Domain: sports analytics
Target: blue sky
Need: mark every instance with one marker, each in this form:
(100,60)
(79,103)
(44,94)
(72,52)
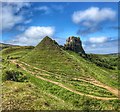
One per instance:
(94,22)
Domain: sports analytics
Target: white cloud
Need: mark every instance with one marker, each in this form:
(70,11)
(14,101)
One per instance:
(92,16)
(46,9)
(50,9)
(93,45)
(98,39)
(110,46)
(33,35)
(28,21)
(9,17)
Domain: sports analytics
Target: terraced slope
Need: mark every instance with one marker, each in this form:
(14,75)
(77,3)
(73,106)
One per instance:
(70,89)
(107,76)
(48,56)
(47,92)
(63,79)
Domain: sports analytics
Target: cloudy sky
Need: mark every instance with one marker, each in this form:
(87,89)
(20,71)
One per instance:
(95,23)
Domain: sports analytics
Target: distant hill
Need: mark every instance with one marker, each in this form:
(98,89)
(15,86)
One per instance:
(109,61)
(15,52)
(3,45)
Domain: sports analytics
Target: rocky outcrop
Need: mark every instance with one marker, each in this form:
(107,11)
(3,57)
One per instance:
(74,44)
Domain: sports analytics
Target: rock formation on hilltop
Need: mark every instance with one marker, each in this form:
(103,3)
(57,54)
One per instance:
(74,44)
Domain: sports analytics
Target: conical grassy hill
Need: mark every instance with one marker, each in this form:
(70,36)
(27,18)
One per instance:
(47,55)
(47,44)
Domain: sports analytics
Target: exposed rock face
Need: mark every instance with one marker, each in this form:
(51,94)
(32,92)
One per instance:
(74,44)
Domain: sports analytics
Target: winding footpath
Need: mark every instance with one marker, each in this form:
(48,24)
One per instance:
(67,88)
(97,83)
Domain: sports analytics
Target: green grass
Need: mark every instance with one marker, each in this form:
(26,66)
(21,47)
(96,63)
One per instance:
(15,51)
(88,88)
(47,96)
(53,59)
(81,86)
(106,61)
(58,61)
(27,96)
(20,95)
(109,77)
(79,102)
(62,66)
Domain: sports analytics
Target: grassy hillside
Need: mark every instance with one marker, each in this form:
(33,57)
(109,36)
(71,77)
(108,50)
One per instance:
(15,51)
(27,96)
(100,73)
(47,96)
(56,79)
(53,59)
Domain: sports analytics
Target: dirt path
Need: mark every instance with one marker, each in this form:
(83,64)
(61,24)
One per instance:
(36,68)
(89,80)
(97,83)
(114,91)
(63,86)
